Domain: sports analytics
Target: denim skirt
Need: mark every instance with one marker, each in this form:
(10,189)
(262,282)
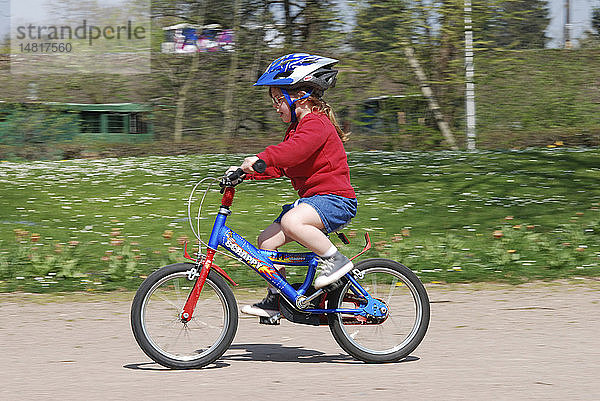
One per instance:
(335,211)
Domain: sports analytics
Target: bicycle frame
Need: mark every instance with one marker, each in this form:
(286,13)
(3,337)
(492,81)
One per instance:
(262,261)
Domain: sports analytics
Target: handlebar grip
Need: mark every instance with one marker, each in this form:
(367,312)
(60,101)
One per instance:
(236,175)
(259,166)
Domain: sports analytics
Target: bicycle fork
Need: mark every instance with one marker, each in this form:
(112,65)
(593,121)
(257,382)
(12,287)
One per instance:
(190,304)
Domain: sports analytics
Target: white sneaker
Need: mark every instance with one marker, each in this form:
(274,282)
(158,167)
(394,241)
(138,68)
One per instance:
(332,269)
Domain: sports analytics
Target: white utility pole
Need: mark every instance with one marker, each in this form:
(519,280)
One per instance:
(470,73)
(568,26)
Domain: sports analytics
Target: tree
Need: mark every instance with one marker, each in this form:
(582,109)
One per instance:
(183,73)
(307,24)
(596,21)
(215,85)
(435,29)
(403,32)
(515,24)
(319,27)
(378,24)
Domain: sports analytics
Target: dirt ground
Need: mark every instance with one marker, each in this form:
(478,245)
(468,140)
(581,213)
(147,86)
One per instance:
(485,342)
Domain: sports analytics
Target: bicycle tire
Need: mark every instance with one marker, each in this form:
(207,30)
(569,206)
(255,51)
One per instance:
(159,331)
(393,340)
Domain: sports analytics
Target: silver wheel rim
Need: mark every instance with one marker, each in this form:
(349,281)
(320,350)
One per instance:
(184,335)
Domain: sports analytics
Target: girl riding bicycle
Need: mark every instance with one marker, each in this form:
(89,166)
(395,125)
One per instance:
(312,155)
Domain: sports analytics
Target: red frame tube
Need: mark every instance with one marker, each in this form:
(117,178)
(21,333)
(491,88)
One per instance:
(190,305)
(217,268)
(228,195)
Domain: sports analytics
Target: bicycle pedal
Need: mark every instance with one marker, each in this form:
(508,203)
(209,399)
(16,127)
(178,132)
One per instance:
(269,321)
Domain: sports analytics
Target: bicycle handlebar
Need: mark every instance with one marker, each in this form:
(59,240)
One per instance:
(236,177)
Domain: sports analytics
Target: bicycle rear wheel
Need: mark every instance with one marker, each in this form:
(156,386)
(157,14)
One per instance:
(156,318)
(388,339)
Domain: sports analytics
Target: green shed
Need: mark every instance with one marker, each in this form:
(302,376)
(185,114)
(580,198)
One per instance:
(41,122)
(112,122)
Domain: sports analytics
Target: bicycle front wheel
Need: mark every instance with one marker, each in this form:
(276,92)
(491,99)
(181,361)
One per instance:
(388,339)
(158,328)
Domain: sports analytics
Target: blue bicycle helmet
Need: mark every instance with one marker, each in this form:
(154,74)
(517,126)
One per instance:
(300,70)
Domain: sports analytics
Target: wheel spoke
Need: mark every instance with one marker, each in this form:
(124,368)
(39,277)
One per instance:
(168,301)
(391,292)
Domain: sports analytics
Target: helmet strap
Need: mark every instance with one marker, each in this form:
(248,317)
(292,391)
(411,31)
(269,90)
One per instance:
(292,103)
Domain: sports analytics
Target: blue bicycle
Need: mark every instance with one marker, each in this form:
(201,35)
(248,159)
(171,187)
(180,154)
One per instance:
(185,315)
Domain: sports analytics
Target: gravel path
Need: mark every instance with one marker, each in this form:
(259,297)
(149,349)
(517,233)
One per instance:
(529,342)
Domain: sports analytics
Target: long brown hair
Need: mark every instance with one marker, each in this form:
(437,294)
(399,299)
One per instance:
(321,106)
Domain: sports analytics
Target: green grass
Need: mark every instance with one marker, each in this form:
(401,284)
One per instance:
(450,216)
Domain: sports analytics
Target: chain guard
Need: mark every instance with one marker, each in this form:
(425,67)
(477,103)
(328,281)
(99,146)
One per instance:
(296,316)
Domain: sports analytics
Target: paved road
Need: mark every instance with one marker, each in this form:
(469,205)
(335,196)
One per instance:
(531,342)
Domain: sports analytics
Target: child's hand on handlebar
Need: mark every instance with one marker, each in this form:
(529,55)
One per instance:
(248,164)
(235,175)
(231,170)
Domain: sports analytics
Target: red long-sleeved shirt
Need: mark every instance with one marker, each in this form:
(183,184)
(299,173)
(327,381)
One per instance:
(312,156)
